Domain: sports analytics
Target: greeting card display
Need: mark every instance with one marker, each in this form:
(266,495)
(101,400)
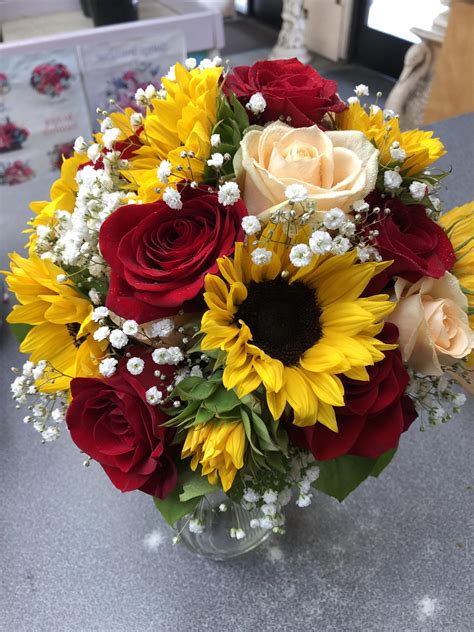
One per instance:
(116,70)
(42,111)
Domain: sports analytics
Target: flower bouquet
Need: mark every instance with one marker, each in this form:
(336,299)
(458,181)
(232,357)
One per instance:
(50,79)
(242,296)
(16,172)
(12,137)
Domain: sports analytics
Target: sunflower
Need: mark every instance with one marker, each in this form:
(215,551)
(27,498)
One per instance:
(219,448)
(420,147)
(62,328)
(121,121)
(294,330)
(459,226)
(183,121)
(62,194)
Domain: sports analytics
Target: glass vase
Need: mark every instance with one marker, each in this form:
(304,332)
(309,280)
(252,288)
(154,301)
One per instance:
(221,529)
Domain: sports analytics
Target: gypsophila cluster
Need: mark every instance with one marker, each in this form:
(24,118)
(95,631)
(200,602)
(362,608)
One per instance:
(264,498)
(73,239)
(228,193)
(257,103)
(437,399)
(271,496)
(46,411)
(336,233)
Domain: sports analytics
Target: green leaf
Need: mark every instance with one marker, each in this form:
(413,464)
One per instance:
(339,477)
(195,486)
(195,388)
(203,415)
(259,460)
(275,461)
(172,509)
(279,436)
(222,400)
(196,348)
(264,439)
(220,360)
(20,331)
(182,416)
(188,492)
(240,114)
(233,414)
(382,462)
(248,430)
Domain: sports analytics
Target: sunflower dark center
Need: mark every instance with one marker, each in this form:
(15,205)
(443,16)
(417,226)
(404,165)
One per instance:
(73,330)
(284,319)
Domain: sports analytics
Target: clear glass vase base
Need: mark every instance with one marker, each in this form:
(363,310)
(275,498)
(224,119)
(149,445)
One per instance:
(215,540)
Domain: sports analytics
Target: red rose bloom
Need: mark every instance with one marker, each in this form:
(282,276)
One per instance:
(111,421)
(375,415)
(417,244)
(290,89)
(159,256)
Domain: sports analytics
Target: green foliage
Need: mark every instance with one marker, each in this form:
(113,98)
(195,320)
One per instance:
(195,388)
(19,331)
(339,477)
(404,194)
(267,439)
(207,400)
(382,462)
(232,122)
(172,509)
(188,492)
(195,485)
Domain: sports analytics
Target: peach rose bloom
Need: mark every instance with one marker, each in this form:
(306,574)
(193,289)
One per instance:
(337,168)
(431,316)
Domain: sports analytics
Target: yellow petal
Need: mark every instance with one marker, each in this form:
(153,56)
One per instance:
(323,357)
(270,371)
(346,317)
(327,416)
(328,388)
(276,403)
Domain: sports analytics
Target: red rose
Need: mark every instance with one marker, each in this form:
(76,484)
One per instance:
(417,244)
(293,92)
(111,421)
(375,415)
(160,256)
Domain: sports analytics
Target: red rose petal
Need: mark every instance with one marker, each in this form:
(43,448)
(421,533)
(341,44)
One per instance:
(111,421)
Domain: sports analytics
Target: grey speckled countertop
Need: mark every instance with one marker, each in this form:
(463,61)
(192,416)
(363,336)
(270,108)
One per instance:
(396,556)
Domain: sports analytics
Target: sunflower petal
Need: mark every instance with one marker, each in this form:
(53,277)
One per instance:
(329,389)
(327,416)
(276,403)
(270,371)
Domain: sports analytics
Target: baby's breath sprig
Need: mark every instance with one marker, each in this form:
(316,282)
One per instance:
(437,399)
(46,411)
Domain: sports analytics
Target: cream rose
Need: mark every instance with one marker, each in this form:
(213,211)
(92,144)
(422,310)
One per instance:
(337,168)
(431,316)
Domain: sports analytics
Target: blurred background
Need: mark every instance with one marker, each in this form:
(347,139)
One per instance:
(61,59)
